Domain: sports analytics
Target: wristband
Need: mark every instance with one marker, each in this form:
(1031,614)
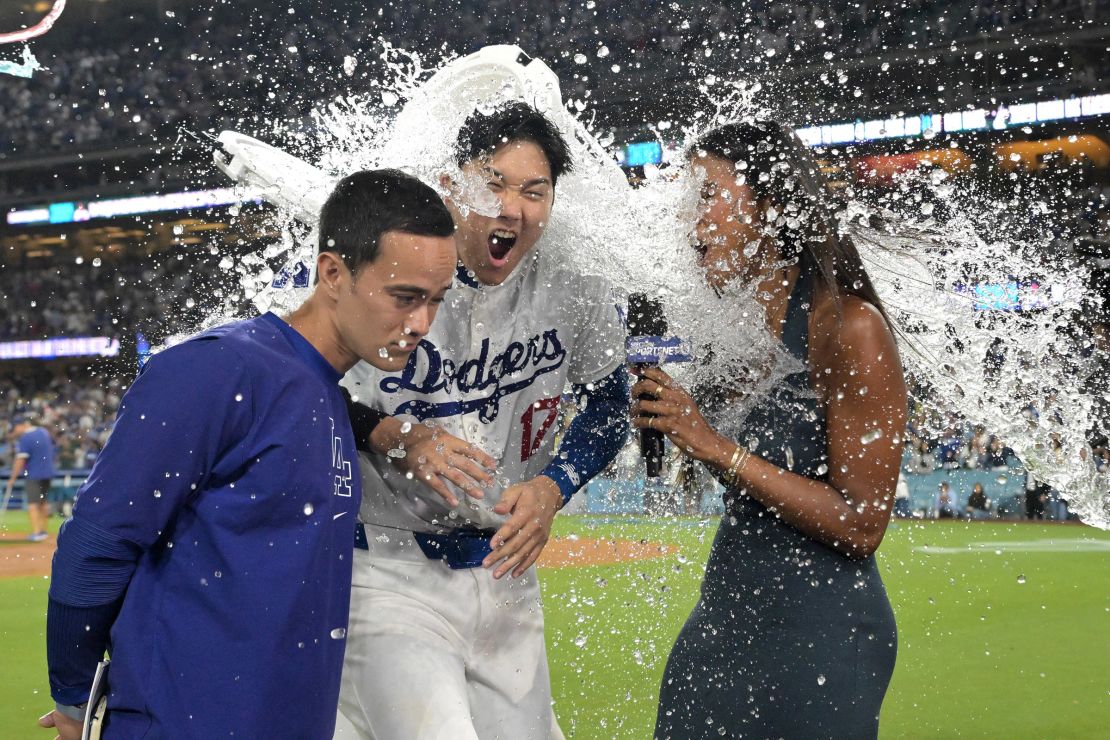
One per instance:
(74,712)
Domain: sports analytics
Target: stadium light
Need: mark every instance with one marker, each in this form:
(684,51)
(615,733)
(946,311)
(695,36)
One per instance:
(967,120)
(54,347)
(65,212)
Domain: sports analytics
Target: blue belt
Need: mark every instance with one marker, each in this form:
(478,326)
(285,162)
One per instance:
(461,549)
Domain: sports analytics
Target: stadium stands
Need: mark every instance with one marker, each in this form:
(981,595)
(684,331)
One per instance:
(138,83)
(202,67)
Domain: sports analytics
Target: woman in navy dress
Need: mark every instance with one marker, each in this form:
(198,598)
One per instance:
(793,635)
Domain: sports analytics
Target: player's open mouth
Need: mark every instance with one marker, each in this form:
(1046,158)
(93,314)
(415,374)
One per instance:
(500,243)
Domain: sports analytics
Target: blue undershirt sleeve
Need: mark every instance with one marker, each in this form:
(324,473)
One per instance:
(596,435)
(363,420)
(188,409)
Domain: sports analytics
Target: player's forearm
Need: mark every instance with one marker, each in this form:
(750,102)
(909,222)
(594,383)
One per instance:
(364,420)
(596,435)
(76,639)
(386,436)
(17,469)
(90,574)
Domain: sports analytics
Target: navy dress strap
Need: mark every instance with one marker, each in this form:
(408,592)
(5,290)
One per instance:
(795,328)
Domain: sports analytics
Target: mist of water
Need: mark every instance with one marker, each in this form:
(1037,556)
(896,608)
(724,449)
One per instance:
(1019,374)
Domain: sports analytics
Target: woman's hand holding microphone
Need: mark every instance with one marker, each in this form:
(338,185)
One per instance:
(662,404)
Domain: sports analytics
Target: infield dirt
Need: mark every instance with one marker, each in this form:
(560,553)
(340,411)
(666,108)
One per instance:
(19,558)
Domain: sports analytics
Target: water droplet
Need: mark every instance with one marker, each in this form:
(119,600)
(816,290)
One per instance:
(219,574)
(821,680)
(822,469)
(157,493)
(383,353)
(579,58)
(238,396)
(338,633)
(615,68)
(389,98)
(406,427)
(871,436)
(308,509)
(580,641)
(1021,579)
(603,52)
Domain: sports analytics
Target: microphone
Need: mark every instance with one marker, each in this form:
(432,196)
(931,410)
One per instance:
(648,345)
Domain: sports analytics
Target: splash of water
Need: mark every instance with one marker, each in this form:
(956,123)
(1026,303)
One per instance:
(1014,373)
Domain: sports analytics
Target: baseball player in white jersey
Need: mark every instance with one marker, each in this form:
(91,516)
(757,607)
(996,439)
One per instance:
(462,483)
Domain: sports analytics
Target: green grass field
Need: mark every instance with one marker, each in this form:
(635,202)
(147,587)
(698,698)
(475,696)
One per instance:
(1004,631)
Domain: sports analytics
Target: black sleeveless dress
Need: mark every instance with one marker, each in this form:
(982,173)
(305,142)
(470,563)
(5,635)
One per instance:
(790,639)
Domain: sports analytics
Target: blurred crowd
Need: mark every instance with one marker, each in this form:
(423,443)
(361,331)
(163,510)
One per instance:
(971,470)
(76,407)
(155,296)
(68,297)
(203,67)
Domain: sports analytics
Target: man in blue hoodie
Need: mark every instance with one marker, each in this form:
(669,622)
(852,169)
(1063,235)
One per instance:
(210,549)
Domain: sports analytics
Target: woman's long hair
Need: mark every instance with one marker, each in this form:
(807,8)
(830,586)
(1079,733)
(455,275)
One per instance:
(782,173)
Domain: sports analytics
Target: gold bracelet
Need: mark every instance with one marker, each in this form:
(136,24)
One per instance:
(737,466)
(735,455)
(723,475)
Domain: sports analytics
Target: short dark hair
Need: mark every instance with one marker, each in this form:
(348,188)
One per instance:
(483,133)
(367,204)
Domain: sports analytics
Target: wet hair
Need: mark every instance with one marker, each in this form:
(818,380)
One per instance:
(483,133)
(367,204)
(781,171)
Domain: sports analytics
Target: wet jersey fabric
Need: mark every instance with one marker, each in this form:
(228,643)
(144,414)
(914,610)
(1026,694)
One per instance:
(224,503)
(790,638)
(491,371)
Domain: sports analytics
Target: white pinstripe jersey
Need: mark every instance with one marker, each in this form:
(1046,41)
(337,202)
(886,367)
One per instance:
(491,371)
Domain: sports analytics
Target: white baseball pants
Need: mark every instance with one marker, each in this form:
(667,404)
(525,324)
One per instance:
(441,654)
